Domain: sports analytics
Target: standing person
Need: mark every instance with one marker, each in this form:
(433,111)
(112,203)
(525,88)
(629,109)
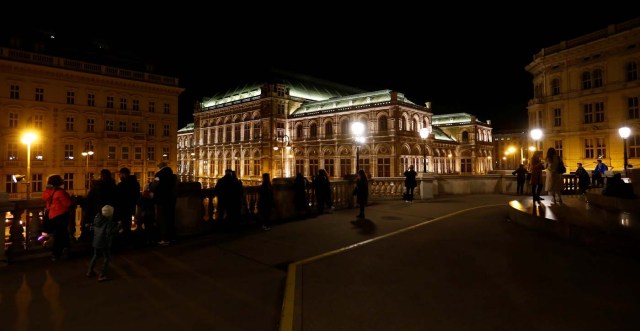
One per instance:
(127,193)
(102,192)
(410,183)
(598,174)
(555,183)
(224,190)
(164,196)
(146,216)
(300,194)
(362,192)
(265,202)
(105,228)
(322,188)
(536,175)
(521,174)
(59,203)
(583,178)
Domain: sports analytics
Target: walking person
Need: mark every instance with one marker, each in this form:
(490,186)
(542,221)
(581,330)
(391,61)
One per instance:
(104,229)
(265,202)
(410,183)
(521,174)
(361,192)
(58,204)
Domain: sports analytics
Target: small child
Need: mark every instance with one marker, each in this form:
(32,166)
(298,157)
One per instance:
(104,229)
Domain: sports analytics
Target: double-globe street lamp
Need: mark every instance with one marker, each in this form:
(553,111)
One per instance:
(624,134)
(424,134)
(285,144)
(357,130)
(87,155)
(27,139)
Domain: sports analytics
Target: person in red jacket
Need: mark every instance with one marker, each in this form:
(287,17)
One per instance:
(59,203)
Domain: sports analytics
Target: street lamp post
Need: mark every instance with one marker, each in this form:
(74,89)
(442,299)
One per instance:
(284,141)
(87,154)
(536,135)
(28,138)
(624,134)
(424,134)
(512,151)
(357,129)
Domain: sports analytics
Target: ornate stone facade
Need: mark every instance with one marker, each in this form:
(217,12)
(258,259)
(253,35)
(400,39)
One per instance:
(286,126)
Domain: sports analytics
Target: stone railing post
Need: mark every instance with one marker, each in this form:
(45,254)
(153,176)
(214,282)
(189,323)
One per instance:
(428,186)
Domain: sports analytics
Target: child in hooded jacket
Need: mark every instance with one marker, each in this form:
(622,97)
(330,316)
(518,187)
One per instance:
(104,229)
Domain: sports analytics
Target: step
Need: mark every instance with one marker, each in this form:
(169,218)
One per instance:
(579,221)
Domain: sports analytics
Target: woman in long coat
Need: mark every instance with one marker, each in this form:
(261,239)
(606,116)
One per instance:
(536,175)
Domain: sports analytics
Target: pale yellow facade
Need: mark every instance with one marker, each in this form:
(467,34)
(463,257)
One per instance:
(126,118)
(585,89)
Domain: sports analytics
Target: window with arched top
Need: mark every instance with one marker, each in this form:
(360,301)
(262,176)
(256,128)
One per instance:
(555,87)
(344,126)
(597,78)
(313,130)
(402,124)
(299,132)
(632,71)
(328,129)
(465,136)
(414,125)
(586,80)
(382,123)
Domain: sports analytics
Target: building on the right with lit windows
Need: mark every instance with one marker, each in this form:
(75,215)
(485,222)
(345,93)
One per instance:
(585,89)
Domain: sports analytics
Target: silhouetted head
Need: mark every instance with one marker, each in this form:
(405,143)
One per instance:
(55,181)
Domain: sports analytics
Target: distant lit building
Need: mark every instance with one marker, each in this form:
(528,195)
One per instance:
(249,129)
(127,118)
(512,148)
(585,89)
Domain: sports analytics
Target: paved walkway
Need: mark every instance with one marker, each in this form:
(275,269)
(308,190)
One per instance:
(460,265)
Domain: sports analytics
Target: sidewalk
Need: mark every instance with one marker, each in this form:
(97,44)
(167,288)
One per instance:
(450,263)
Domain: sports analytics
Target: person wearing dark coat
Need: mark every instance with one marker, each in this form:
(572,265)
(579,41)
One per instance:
(102,192)
(361,192)
(164,196)
(583,178)
(104,229)
(322,188)
(265,202)
(521,175)
(300,194)
(226,190)
(410,183)
(126,196)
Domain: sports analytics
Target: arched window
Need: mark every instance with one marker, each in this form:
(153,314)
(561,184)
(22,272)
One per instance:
(555,87)
(586,80)
(313,130)
(632,71)
(382,123)
(299,132)
(402,124)
(465,136)
(344,126)
(414,125)
(328,130)
(597,78)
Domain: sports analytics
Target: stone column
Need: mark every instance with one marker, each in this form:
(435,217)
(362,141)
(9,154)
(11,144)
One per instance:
(428,185)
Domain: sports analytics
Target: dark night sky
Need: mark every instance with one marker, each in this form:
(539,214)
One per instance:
(461,61)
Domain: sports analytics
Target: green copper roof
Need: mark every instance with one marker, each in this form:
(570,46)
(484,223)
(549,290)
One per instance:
(361,99)
(187,128)
(440,135)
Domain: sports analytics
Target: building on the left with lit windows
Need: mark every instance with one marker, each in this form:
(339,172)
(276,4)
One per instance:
(126,118)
